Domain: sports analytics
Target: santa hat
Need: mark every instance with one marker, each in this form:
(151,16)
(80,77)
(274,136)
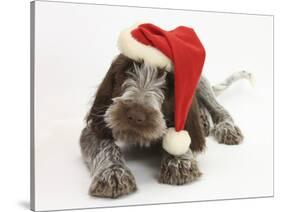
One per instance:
(179,50)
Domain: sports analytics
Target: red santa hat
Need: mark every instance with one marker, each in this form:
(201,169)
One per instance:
(179,50)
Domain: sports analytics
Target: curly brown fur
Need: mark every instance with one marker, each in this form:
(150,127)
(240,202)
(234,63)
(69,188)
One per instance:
(204,119)
(135,105)
(225,130)
(227,133)
(110,176)
(113,182)
(178,170)
(109,88)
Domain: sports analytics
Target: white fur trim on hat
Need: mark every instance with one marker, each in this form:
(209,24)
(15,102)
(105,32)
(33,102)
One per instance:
(176,143)
(135,50)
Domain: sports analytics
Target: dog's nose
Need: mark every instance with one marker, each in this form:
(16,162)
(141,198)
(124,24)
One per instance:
(136,116)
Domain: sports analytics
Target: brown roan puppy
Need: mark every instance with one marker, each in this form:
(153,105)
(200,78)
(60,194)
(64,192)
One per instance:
(134,104)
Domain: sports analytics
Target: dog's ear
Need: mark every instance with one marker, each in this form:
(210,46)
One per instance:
(192,126)
(168,104)
(109,88)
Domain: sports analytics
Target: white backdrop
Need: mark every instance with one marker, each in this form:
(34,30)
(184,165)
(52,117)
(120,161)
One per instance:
(73,49)
(14,89)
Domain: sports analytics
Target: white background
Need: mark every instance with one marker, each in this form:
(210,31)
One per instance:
(14,92)
(73,50)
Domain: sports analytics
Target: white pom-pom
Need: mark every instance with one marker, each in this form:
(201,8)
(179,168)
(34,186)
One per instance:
(176,143)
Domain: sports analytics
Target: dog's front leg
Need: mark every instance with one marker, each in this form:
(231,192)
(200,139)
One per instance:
(225,130)
(110,176)
(178,170)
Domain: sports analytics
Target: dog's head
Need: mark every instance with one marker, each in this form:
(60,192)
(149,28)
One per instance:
(133,102)
(136,115)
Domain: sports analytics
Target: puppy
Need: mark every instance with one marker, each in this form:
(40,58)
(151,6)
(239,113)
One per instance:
(135,105)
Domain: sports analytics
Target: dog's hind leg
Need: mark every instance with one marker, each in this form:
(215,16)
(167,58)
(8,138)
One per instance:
(110,176)
(224,130)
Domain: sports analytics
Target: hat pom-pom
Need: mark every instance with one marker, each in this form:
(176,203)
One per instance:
(176,143)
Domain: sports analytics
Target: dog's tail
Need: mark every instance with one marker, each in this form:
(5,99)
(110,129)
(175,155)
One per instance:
(219,88)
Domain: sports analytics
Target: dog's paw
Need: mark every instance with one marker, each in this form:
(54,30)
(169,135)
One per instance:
(175,171)
(227,133)
(113,182)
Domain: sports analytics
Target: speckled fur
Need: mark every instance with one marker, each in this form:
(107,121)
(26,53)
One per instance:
(178,170)
(224,130)
(204,120)
(110,176)
(154,95)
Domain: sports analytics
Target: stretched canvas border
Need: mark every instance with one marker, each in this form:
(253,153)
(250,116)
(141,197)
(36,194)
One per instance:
(32,98)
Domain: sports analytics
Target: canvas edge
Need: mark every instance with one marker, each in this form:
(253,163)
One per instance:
(32,103)
(157,8)
(32,124)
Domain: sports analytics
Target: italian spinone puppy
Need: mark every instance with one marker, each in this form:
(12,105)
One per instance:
(135,104)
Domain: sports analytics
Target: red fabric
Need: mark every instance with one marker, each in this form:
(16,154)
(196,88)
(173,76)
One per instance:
(187,54)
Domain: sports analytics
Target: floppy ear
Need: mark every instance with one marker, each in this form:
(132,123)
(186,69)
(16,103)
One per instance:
(194,128)
(108,89)
(192,125)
